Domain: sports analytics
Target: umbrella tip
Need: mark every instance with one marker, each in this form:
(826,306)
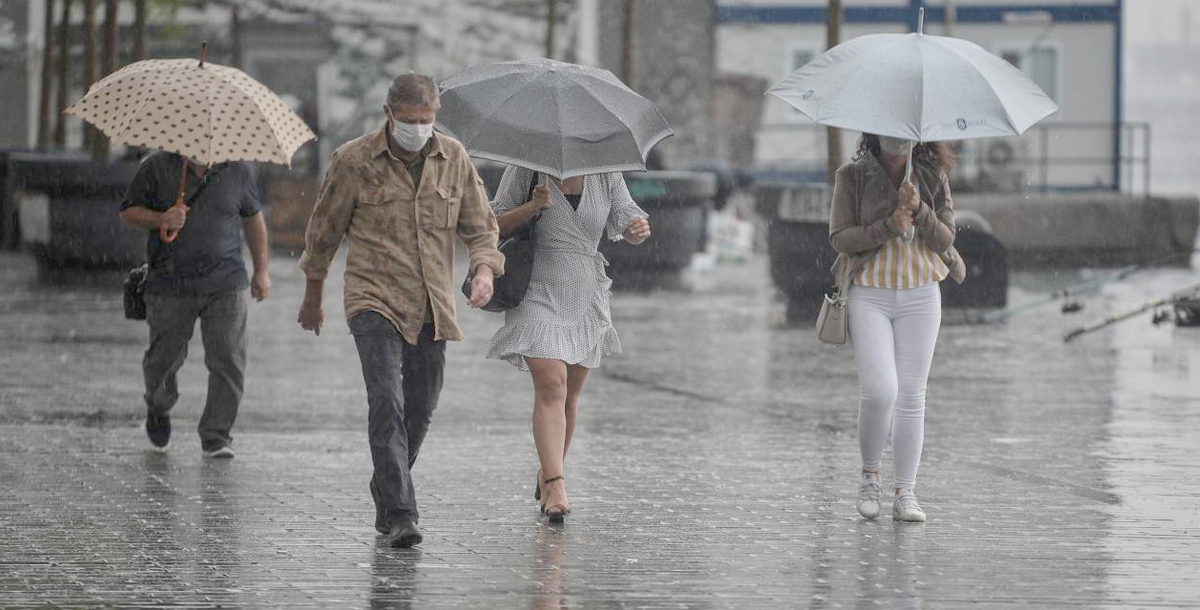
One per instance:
(204,52)
(921,20)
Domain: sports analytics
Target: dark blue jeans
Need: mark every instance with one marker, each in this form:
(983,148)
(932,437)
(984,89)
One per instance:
(403,383)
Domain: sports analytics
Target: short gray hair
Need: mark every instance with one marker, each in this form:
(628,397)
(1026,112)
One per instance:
(413,89)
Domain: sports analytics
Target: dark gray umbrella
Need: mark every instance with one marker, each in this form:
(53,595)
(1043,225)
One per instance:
(556,118)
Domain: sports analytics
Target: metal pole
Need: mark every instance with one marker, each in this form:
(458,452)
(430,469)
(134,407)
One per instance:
(1045,161)
(551,21)
(950,17)
(627,43)
(1146,156)
(833,137)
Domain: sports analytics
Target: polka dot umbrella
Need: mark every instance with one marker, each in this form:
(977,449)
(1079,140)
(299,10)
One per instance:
(206,112)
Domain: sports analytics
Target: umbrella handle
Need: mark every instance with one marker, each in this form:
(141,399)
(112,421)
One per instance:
(908,235)
(166,235)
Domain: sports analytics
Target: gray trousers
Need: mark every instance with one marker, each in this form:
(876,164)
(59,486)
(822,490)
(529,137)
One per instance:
(403,383)
(172,320)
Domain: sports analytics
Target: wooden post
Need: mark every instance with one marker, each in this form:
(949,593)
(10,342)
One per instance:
(64,68)
(108,62)
(89,42)
(833,137)
(551,22)
(235,32)
(89,68)
(139,30)
(108,54)
(627,74)
(47,71)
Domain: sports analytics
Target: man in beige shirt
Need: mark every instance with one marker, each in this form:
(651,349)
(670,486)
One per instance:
(398,196)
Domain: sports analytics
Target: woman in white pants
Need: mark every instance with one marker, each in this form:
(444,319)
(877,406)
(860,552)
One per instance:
(895,241)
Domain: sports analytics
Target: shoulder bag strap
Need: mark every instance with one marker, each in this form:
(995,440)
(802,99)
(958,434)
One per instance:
(208,177)
(533,182)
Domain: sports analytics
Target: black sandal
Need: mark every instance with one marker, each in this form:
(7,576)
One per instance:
(552,513)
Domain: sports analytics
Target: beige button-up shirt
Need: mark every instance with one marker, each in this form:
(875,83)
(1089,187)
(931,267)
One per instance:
(401,238)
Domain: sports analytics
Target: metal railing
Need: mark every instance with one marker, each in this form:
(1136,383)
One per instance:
(1049,157)
(1129,168)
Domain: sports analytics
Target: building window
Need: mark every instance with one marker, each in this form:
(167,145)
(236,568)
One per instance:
(1040,62)
(794,57)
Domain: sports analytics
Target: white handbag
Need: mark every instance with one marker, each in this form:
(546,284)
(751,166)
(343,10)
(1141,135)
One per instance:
(831,322)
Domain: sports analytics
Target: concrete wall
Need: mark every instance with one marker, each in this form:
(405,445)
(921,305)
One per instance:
(1090,230)
(673,50)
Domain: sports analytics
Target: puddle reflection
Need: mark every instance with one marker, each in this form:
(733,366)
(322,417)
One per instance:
(394,577)
(549,575)
(887,565)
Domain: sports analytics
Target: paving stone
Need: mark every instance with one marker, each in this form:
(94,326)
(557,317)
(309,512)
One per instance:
(714,466)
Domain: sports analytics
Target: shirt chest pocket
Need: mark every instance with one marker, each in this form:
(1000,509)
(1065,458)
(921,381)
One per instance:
(378,207)
(441,208)
(373,198)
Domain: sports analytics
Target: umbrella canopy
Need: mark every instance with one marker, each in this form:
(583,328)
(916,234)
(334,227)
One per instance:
(917,87)
(208,112)
(553,117)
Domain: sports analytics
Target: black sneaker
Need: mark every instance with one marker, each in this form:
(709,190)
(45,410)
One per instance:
(216,449)
(158,428)
(404,535)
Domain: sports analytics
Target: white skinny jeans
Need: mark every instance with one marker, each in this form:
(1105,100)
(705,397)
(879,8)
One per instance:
(893,333)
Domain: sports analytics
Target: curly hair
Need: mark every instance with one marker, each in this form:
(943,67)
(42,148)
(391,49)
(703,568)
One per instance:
(932,154)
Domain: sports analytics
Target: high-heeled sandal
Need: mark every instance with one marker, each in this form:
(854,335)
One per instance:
(557,512)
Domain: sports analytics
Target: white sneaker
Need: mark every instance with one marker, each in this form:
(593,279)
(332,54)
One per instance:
(905,507)
(868,496)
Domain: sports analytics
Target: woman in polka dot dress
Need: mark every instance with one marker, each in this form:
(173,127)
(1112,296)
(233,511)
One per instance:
(562,327)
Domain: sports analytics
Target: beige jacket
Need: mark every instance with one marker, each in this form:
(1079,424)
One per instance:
(857,234)
(401,240)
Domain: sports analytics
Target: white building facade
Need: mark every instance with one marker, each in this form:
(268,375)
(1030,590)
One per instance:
(1071,49)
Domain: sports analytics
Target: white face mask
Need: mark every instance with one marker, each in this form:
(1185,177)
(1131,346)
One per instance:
(411,136)
(893,146)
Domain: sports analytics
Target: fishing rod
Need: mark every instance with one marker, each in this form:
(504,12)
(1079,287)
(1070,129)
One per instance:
(1167,300)
(1077,289)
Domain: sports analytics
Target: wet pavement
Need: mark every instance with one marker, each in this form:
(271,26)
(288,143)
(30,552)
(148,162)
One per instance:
(714,467)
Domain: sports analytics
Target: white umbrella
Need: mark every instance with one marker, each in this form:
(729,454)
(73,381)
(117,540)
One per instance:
(207,112)
(917,87)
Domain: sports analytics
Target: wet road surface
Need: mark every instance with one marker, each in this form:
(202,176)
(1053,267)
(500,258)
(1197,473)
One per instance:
(714,465)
